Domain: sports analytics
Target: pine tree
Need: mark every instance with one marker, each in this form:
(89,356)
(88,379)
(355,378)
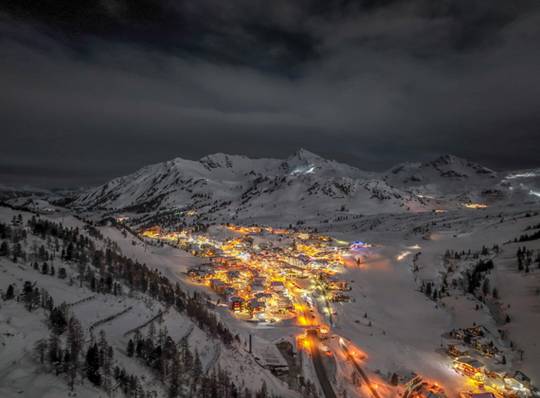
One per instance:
(197,366)
(187,357)
(69,252)
(139,349)
(92,365)
(28,295)
(263,392)
(58,319)
(53,345)
(4,249)
(62,273)
(9,293)
(105,360)
(130,348)
(36,298)
(75,338)
(41,349)
(174,377)
(428,289)
(17,252)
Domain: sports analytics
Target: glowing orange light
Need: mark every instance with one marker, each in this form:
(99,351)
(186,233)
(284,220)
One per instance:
(475,205)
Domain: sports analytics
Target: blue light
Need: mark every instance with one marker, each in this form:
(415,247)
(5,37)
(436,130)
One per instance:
(358,245)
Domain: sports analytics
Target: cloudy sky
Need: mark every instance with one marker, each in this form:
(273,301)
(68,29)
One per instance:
(95,89)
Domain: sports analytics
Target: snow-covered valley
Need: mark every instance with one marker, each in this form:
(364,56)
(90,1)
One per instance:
(400,268)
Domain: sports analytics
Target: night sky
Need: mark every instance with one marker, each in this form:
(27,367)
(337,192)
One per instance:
(91,90)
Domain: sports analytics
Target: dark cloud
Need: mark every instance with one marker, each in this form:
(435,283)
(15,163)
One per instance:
(92,92)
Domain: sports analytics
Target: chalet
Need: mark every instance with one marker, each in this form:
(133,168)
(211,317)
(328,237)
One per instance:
(419,388)
(477,395)
(468,365)
(218,285)
(270,358)
(262,296)
(477,331)
(470,334)
(259,280)
(229,291)
(456,350)
(277,286)
(233,275)
(302,283)
(283,302)
(256,287)
(338,297)
(236,303)
(295,261)
(200,272)
(522,378)
(256,305)
(336,284)
(519,387)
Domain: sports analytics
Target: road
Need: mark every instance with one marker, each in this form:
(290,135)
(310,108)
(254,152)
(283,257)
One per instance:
(319,367)
(327,304)
(360,371)
(312,322)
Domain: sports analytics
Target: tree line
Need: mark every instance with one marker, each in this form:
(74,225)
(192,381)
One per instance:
(105,270)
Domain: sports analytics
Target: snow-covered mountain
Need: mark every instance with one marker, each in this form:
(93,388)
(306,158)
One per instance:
(303,185)
(49,251)
(447,173)
(237,185)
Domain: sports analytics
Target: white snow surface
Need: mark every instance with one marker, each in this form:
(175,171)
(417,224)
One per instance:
(231,187)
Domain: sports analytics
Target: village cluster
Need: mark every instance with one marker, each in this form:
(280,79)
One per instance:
(266,274)
(263,273)
(478,355)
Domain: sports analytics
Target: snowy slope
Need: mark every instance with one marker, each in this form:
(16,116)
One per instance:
(22,375)
(237,186)
(399,328)
(446,176)
(224,187)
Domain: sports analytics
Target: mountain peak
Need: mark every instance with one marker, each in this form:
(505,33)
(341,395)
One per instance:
(219,160)
(449,160)
(304,154)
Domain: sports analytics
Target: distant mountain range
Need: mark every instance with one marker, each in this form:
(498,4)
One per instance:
(233,187)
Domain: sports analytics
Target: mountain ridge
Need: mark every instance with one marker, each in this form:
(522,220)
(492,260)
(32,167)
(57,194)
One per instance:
(220,187)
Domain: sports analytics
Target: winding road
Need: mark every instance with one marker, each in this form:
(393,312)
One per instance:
(320,370)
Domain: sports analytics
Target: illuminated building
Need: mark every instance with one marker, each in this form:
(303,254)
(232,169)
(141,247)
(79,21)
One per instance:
(358,246)
(475,205)
(419,388)
(477,395)
(456,350)
(256,306)
(218,285)
(336,284)
(277,286)
(468,366)
(236,303)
